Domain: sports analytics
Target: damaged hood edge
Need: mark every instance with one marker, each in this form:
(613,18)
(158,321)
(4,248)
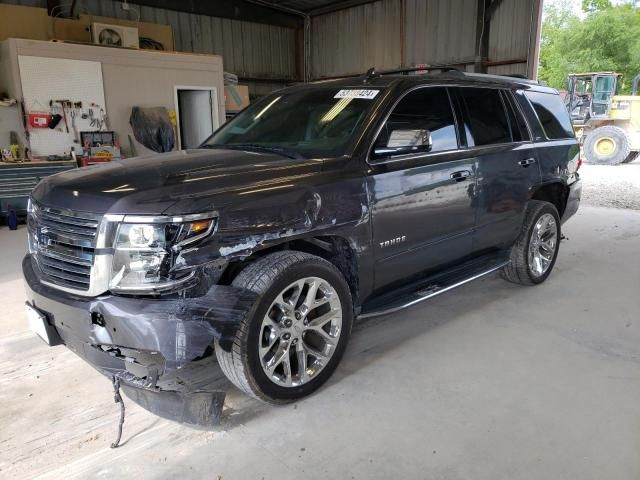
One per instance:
(183,182)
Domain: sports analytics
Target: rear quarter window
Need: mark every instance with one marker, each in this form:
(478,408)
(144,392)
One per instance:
(552,113)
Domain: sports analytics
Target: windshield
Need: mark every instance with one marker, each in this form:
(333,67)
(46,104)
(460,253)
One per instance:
(309,122)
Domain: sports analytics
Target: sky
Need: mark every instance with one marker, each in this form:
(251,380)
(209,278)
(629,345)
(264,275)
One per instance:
(577,5)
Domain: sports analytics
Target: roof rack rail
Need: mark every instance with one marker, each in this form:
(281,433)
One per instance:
(442,68)
(372,73)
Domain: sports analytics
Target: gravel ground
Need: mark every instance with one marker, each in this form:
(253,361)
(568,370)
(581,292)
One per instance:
(611,186)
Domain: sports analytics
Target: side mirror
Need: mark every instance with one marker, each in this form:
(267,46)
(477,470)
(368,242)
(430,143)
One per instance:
(402,142)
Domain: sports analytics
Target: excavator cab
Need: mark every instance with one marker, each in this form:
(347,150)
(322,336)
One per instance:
(590,95)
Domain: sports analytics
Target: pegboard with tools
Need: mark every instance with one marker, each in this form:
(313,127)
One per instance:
(69,94)
(65,114)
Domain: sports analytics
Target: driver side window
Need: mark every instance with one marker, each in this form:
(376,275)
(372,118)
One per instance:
(426,110)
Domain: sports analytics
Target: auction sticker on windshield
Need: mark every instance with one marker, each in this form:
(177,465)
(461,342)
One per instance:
(357,93)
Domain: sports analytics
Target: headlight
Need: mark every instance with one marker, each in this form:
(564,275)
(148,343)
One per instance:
(146,249)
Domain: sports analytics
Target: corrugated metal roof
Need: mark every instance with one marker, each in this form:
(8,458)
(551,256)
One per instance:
(312,5)
(510,35)
(304,5)
(347,41)
(353,40)
(520,69)
(440,31)
(435,32)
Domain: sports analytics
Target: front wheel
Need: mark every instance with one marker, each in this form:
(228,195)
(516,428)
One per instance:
(298,332)
(534,254)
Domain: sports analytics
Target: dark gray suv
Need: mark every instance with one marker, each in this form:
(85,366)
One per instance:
(320,204)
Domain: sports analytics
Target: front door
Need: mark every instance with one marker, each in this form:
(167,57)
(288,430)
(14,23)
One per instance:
(423,208)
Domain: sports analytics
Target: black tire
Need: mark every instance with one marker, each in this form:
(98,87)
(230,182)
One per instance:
(267,277)
(631,158)
(615,137)
(518,269)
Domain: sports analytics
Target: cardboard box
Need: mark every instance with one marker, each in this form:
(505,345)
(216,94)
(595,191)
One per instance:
(236,97)
(17,21)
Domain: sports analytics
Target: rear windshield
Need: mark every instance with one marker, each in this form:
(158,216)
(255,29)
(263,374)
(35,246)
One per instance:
(552,113)
(316,121)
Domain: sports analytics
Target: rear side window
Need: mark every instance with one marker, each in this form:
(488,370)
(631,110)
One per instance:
(552,113)
(486,122)
(426,108)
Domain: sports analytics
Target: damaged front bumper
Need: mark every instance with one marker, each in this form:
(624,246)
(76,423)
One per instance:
(161,349)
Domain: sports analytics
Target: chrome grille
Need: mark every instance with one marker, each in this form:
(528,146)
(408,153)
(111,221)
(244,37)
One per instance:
(64,245)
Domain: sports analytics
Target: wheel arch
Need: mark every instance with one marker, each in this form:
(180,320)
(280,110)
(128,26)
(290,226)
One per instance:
(555,193)
(333,248)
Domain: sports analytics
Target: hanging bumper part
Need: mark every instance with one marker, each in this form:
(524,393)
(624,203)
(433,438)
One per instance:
(159,349)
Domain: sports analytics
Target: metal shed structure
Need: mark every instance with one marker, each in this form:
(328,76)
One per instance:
(483,36)
(268,43)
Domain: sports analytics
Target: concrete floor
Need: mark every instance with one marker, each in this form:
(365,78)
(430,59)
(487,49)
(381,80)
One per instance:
(491,381)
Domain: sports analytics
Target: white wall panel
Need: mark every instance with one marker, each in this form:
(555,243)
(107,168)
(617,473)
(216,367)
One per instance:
(45,79)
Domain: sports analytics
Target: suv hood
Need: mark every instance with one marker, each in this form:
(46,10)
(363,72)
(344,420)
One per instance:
(152,184)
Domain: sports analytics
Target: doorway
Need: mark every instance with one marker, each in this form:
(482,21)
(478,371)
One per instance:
(196,115)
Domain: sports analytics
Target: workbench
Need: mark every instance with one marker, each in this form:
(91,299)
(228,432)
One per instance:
(18,179)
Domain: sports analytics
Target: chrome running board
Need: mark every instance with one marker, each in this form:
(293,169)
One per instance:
(425,292)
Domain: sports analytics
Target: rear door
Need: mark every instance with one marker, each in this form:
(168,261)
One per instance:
(423,208)
(508,168)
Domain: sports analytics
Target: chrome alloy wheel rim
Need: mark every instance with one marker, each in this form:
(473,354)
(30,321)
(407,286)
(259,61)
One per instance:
(300,332)
(542,245)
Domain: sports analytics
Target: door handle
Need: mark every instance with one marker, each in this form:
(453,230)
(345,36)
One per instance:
(527,162)
(460,176)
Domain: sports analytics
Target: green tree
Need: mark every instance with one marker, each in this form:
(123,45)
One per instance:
(592,6)
(605,40)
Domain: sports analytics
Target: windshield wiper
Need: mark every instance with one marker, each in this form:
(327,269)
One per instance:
(260,148)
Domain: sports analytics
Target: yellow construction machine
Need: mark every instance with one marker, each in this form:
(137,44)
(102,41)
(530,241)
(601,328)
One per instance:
(607,124)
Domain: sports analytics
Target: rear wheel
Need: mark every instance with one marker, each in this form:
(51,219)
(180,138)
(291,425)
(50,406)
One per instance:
(607,145)
(300,328)
(534,254)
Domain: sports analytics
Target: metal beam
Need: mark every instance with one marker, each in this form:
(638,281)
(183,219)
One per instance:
(484,13)
(340,5)
(234,9)
(481,10)
(491,9)
(534,39)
